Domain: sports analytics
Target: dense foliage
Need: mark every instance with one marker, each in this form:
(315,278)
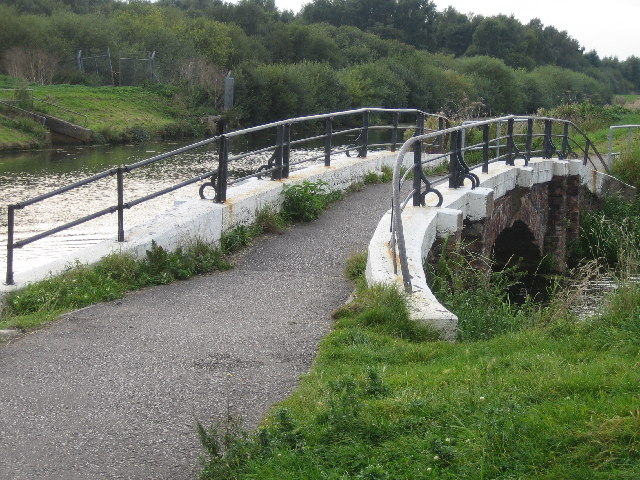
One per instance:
(334,54)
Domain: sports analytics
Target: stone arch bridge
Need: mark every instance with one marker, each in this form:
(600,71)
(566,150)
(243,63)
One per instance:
(525,205)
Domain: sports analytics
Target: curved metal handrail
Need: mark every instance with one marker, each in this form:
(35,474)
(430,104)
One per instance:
(459,170)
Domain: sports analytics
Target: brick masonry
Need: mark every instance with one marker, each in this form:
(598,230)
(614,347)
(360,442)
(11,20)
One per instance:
(550,211)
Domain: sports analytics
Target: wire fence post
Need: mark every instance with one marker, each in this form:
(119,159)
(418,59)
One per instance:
(221,178)
(417,161)
(120,181)
(328,132)
(10,230)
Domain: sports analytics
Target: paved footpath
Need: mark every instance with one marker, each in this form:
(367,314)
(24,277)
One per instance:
(112,391)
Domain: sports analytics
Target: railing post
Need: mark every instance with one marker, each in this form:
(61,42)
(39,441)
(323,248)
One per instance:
(120,182)
(328,132)
(365,135)
(417,160)
(10,227)
(453,160)
(276,174)
(547,151)
(221,178)
(394,132)
(529,137)
(485,149)
(441,137)
(286,150)
(565,142)
(498,136)
(586,153)
(510,142)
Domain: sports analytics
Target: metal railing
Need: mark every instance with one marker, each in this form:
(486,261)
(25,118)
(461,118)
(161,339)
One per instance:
(629,129)
(538,137)
(35,116)
(332,126)
(14,102)
(66,110)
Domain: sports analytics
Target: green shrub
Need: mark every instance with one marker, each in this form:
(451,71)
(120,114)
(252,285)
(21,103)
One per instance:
(306,201)
(136,134)
(355,266)
(587,115)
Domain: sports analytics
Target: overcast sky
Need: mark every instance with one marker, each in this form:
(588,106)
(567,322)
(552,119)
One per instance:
(610,27)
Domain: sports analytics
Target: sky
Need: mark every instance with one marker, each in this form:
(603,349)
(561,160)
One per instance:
(611,28)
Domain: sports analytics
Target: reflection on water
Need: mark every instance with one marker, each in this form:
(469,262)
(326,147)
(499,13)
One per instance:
(24,175)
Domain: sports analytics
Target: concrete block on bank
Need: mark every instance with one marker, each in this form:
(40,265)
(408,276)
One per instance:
(425,310)
(575,167)
(380,256)
(542,170)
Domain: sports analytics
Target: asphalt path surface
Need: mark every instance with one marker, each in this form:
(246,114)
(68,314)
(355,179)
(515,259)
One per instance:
(114,390)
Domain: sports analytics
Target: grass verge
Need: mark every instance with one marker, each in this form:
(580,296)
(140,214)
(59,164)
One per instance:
(385,401)
(119,273)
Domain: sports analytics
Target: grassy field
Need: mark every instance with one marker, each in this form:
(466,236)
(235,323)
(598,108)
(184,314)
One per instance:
(115,114)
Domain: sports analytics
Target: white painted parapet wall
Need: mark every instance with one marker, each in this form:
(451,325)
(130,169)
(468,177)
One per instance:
(206,220)
(422,225)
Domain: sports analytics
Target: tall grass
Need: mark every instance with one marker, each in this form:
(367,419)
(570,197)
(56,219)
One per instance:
(109,279)
(466,284)
(383,401)
(611,233)
(627,167)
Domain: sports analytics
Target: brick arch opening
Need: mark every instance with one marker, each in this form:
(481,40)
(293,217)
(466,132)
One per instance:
(516,245)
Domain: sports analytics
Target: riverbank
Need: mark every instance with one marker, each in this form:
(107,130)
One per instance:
(113,114)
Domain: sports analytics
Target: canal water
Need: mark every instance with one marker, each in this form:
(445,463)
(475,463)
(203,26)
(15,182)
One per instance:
(24,175)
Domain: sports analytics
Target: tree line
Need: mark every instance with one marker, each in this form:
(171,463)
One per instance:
(334,54)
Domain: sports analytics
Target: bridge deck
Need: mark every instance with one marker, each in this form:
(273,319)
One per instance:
(113,390)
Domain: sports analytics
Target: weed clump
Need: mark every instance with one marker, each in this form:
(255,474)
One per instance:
(306,201)
(611,233)
(109,279)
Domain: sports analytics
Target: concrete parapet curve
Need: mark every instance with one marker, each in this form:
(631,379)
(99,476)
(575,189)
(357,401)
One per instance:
(422,225)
